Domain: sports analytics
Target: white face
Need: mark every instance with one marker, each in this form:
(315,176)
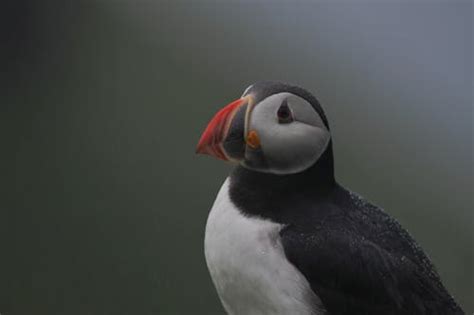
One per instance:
(292,135)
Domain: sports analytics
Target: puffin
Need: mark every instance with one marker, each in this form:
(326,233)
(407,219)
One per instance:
(284,237)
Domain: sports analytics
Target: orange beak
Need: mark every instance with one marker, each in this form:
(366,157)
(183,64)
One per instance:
(216,132)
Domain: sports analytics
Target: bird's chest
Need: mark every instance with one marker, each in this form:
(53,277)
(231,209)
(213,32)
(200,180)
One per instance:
(248,265)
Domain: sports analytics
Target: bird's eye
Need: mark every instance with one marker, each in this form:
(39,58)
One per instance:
(284,113)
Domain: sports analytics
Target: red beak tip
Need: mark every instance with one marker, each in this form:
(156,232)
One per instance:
(202,149)
(198,150)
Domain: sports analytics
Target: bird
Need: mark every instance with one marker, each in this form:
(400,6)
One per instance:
(284,237)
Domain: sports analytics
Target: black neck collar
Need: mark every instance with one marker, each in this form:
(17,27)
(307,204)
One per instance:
(267,195)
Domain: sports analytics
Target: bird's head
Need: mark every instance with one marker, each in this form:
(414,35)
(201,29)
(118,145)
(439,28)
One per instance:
(273,128)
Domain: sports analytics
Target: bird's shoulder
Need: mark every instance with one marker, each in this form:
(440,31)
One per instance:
(358,258)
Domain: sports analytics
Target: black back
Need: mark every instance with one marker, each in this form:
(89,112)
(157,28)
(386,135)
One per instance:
(357,259)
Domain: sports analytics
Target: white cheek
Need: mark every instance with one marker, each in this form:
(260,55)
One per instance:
(292,148)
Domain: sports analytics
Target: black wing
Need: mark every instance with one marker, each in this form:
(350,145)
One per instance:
(358,260)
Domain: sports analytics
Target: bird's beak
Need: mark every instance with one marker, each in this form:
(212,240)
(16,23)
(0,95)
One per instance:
(223,137)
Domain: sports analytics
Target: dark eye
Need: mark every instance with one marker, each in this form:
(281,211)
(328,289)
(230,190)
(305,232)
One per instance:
(284,113)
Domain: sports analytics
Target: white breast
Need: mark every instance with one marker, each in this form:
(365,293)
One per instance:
(248,266)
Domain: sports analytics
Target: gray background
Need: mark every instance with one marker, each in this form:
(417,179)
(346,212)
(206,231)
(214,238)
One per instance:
(104,202)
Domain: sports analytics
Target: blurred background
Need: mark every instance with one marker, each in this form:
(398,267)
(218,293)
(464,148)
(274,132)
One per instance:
(103,201)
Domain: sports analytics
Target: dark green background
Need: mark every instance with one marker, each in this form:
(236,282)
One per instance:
(104,202)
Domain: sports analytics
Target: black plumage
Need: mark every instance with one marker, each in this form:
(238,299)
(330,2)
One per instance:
(357,258)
